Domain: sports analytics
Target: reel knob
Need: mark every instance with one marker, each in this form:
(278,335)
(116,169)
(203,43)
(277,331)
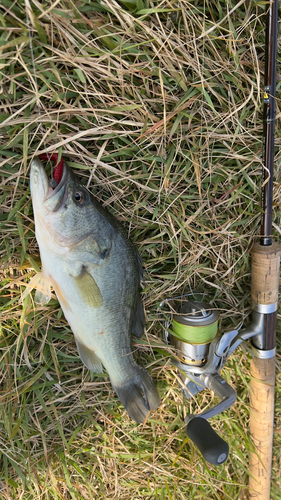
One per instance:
(213,448)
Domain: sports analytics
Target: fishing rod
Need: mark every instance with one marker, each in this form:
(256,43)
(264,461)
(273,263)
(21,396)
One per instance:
(201,351)
(265,288)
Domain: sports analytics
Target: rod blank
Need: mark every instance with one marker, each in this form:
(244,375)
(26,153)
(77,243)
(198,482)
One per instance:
(268,121)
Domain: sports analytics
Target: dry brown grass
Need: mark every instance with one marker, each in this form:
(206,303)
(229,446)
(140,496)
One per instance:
(157,106)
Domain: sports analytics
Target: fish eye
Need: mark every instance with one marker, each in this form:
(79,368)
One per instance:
(79,197)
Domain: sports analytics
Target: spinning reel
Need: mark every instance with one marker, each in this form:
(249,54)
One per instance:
(201,351)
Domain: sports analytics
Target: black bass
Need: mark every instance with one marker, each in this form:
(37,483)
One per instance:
(95,271)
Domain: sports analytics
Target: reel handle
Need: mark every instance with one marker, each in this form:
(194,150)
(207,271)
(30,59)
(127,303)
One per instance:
(213,448)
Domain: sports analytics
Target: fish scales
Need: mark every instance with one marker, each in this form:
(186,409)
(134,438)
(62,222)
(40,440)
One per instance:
(95,271)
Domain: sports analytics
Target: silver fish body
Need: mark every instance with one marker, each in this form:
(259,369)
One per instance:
(95,271)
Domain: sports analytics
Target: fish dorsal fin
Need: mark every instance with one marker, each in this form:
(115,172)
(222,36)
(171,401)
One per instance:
(42,284)
(89,358)
(88,290)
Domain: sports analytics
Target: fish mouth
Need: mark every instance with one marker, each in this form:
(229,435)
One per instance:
(46,191)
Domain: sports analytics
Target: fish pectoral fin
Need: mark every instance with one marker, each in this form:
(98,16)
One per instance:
(43,288)
(89,358)
(88,290)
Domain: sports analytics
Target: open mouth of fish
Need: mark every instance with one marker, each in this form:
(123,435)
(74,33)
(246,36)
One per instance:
(51,192)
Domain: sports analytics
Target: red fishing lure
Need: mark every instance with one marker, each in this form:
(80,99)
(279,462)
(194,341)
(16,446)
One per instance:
(57,175)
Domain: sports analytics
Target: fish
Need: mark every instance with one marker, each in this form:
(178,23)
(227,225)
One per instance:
(96,273)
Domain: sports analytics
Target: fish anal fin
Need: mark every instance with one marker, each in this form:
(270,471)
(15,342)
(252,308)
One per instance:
(88,357)
(88,290)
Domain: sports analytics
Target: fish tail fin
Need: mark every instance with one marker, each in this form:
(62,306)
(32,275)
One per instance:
(139,395)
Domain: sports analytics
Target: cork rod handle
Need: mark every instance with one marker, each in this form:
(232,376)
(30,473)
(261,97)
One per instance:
(261,426)
(265,287)
(265,273)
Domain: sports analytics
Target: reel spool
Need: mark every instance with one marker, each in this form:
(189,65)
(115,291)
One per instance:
(192,331)
(190,328)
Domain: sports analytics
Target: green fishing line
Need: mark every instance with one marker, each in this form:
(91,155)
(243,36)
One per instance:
(195,334)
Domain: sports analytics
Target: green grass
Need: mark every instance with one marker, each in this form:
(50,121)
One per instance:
(158,108)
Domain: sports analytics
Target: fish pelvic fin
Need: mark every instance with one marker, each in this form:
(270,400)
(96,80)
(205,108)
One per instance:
(89,358)
(42,284)
(139,395)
